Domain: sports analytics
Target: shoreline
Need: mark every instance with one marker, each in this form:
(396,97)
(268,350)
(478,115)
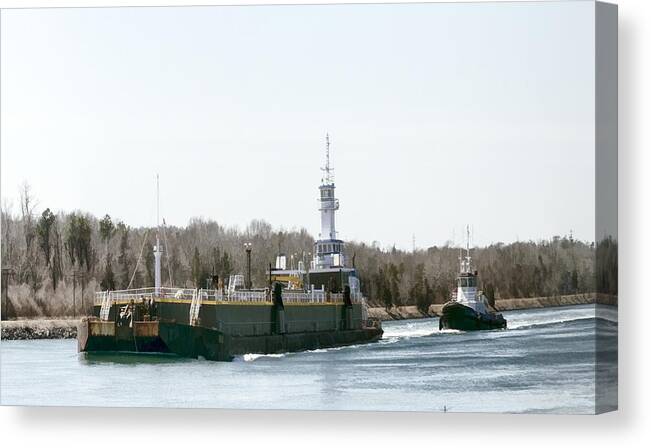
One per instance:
(66,328)
(412,312)
(43,328)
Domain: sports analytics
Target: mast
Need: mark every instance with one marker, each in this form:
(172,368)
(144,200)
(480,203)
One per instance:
(328,249)
(157,248)
(329,204)
(468,243)
(328,179)
(465,261)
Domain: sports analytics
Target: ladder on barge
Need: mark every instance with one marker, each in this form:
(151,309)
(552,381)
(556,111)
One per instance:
(106,305)
(195,306)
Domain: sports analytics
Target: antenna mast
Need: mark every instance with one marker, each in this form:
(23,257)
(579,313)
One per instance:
(328,170)
(327,152)
(468,248)
(465,261)
(468,240)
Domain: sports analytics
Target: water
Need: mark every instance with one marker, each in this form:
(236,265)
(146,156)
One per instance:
(544,362)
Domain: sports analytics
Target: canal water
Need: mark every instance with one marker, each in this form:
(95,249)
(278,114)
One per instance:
(544,362)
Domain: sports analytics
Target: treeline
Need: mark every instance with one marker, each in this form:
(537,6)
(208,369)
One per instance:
(53,263)
(559,266)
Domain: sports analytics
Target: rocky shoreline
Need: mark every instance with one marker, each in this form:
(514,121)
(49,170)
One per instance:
(39,329)
(67,328)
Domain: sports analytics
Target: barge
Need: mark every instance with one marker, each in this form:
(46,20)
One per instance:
(316,304)
(219,325)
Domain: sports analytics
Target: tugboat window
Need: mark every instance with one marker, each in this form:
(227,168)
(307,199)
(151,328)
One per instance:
(468,282)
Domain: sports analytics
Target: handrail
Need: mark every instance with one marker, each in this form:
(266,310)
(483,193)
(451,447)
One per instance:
(240,295)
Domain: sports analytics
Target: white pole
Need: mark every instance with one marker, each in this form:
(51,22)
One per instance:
(157,251)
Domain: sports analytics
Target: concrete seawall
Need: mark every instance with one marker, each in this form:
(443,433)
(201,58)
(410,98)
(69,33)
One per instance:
(546,302)
(412,312)
(403,312)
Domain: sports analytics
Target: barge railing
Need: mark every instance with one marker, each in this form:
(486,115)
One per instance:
(106,299)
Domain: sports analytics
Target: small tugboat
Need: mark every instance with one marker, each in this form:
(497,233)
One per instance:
(469,309)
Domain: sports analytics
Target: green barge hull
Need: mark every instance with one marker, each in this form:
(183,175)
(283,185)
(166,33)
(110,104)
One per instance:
(223,330)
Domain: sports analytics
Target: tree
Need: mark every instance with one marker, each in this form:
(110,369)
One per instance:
(28,270)
(43,230)
(226,265)
(606,266)
(108,279)
(124,259)
(575,281)
(149,264)
(27,210)
(383,287)
(197,269)
(417,291)
(394,281)
(174,265)
(106,229)
(78,241)
(389,276)
(428,298)
(8,245)
(56,267)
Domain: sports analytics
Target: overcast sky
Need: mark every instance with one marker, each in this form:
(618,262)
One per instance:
(439,115)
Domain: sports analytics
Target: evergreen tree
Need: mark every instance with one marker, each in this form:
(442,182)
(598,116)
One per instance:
(124,259)
(106,228)
(56,266)
(78,241)
(108,279)
(197,269)
(43,230)
(149,264)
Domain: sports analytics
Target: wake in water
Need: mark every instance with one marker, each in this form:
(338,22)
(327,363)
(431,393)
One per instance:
(249,357)
(519,319)
(539,317)
(411,329)
(397,330)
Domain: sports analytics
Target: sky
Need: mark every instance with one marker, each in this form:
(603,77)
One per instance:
(440,116)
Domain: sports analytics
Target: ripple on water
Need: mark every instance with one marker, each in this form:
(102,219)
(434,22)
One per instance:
(544,362)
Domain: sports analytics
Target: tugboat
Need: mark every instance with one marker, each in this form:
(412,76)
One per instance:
(469,310)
